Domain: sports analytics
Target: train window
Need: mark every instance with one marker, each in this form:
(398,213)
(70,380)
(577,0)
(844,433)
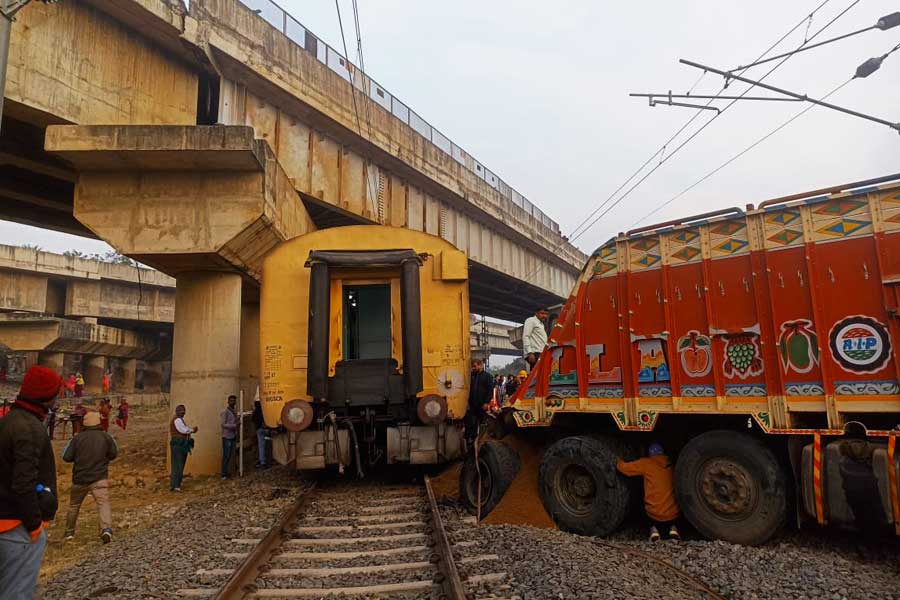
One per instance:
(367,321)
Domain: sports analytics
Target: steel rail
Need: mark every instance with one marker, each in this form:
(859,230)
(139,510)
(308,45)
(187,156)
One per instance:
(452,584)
(241,583)
(684,575)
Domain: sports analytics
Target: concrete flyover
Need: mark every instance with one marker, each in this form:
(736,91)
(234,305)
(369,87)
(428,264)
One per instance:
(197,140)
(489,338)
(74,287)
(52,338)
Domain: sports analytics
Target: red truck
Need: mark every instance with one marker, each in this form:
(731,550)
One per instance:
(757,345)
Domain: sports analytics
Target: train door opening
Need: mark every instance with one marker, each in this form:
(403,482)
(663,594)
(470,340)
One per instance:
(367,321)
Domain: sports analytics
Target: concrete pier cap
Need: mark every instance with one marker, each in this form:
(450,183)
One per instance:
(203,204)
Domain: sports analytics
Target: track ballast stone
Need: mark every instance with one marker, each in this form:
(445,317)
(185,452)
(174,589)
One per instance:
(158,561)
(809,565)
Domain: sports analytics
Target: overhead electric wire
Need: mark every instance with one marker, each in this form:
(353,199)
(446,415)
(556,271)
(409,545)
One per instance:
(585,226)
(337,5)
(736,156)
(751,146)
(575,232)
(884,23)
(705,125)
(804,48)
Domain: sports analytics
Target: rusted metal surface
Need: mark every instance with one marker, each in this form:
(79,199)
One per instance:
(240,584)
(452,584)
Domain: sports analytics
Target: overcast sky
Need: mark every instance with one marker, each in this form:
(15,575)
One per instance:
(538,92)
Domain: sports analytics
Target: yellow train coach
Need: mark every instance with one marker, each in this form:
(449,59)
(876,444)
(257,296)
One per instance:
(364,334)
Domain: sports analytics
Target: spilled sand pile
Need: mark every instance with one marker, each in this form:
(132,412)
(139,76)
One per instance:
(521,505)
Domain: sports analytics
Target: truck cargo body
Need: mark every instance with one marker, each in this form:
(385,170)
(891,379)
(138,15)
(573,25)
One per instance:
(364,335)
(777,323)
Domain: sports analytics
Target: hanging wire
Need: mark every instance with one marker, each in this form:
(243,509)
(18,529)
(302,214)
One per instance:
(587,223)
(736,156)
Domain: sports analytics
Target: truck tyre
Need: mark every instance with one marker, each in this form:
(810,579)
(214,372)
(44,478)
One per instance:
(581,488)
(731,487)
(499,465)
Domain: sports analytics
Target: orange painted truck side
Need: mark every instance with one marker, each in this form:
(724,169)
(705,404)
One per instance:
(786,313)
(758,346)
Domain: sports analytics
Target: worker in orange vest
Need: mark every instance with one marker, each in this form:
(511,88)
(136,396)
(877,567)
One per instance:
(659,490)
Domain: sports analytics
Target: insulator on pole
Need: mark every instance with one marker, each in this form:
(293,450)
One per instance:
(888,21)
(869,67)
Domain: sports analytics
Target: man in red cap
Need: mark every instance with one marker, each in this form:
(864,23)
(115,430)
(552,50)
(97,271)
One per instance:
(27,483)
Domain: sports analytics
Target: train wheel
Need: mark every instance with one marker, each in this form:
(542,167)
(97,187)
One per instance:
(499,465)
(580,487)
(730,486)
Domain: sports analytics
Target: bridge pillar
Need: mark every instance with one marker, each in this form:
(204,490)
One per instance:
(249,352)
(153,376)
(92,370)
(52,360)
(124,375)
(204,205)
(206,357)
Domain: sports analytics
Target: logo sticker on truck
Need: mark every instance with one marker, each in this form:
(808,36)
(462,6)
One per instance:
(860,344)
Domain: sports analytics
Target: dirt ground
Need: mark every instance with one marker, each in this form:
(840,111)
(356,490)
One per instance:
(139,490)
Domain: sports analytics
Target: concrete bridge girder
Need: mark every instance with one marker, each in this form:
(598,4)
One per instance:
(28,333)
(203,204)
(207,213)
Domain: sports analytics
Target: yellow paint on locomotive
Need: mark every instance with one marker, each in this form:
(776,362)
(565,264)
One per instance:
(284,312)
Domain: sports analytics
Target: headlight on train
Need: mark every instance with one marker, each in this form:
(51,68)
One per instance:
(296,415)
(432,409)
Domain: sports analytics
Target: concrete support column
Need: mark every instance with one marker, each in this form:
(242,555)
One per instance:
(29,359)
(93,369)
(124,376)
(153,376)
(206,357)
(249,352)
(52,360)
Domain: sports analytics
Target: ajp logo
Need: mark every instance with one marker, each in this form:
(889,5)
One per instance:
(860,344)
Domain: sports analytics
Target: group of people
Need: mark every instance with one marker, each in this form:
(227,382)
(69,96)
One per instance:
(73,386)
(80,411)
(181,441)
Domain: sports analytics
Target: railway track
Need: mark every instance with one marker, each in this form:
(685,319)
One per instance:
(687,578)
(356,541)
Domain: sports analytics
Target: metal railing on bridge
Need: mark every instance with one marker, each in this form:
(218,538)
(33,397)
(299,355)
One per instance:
(302,37)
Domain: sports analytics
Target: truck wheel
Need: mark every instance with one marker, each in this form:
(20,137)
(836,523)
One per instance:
(731,487)
(499,465)
(580,487)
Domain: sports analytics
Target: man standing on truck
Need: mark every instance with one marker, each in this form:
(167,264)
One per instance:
(659,491)
(481,390)
(534,336)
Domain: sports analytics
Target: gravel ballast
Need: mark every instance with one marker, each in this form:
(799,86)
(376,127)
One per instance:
(813,564)
(539,563)
(158,561)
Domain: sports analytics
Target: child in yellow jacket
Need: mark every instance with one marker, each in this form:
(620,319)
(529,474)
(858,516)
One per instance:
(659,490)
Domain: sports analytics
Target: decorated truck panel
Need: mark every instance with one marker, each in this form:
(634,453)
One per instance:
(786,313)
